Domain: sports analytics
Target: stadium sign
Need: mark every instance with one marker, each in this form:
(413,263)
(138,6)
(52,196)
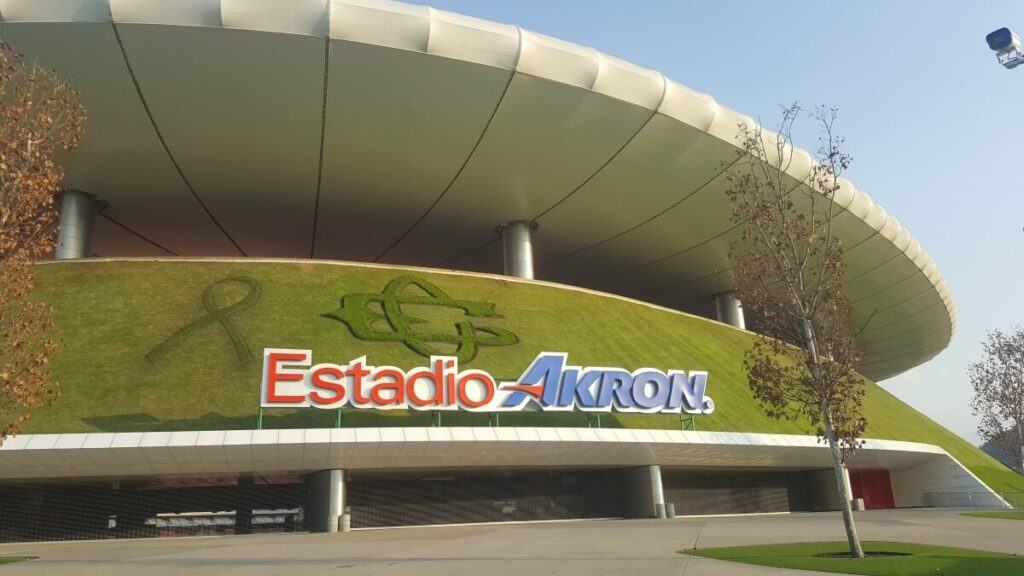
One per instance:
(291,380)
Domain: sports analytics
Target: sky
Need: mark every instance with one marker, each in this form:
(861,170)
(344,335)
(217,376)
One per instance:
(928,115)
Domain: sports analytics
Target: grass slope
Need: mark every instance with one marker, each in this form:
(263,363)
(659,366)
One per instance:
(920,560)
(109,315)
(1011,515)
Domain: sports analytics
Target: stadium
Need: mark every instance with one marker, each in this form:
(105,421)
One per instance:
(271,192)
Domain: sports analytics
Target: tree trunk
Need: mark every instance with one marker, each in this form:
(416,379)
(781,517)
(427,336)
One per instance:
(811,347)
(1020,445)
(844,496)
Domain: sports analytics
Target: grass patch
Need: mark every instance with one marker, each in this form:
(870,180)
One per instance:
(14,559)
(890,559)
(110,315)
(1003,515)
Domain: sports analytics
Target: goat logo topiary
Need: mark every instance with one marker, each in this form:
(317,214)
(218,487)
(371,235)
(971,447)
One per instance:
(381,317)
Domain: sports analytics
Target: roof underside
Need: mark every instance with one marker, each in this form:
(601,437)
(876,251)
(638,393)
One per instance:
(394,133)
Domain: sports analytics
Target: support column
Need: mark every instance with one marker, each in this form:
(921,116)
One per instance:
(846,483)
(854,504)
(77,213)
(657,492)
(326,500)
(730,309)
(517,239)
(245,499)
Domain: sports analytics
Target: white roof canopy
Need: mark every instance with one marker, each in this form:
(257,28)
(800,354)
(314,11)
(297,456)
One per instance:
(380,131)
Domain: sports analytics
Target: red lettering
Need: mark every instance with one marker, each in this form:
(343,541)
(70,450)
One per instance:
(335,384)
(488,384)
(449,380)
(273,377)
(357,372)
(396,385)
(436,377)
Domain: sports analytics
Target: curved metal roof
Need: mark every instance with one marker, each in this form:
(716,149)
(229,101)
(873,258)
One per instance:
(380,131)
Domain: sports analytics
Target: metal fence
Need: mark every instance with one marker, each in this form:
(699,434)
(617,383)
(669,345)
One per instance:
(154,508)
(221,505)
(452,497)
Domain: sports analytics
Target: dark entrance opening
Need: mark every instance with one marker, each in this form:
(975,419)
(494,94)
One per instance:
(176,506)
(460,497)
(874,486)
(181,506)
(696,492)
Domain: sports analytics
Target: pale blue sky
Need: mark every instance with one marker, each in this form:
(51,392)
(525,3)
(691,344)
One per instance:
(935,125)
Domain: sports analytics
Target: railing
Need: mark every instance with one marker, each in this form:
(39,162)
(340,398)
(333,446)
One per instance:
(590,419)
(973,499)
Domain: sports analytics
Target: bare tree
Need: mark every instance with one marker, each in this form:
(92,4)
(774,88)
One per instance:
(998,380)
(788,268)
(39,114)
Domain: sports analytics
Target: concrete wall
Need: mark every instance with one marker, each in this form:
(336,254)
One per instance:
(941,482)
(638,493)
(822,492)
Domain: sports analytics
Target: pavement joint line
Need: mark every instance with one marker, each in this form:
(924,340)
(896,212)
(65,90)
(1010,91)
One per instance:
(700,531)
(498,523)
(739,515)
(594,548)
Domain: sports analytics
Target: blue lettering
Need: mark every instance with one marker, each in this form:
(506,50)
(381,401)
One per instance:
(584,389)
(569,379)
(688,392)
(617,383)
(647,380)
(545,370)
(555,386)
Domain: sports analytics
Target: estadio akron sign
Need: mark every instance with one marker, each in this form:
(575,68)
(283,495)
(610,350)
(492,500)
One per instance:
(292,380)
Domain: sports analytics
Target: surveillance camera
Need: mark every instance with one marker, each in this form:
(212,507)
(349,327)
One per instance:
(1007,47)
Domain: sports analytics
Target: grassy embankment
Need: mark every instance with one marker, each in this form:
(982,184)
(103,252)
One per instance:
(884,559)
(1010,515)
(109,315)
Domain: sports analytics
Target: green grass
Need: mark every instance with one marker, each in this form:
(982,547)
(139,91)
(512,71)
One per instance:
(1002,515)
(109,315)
(920,560)
(14,559)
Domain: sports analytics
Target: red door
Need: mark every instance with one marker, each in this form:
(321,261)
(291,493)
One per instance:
(873,486)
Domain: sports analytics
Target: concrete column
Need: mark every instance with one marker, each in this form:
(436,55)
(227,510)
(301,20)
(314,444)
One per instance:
(846,483)
(517,239)
(730,309)
(326,500)
(657,491)
(855,503)
(77,213)
(245,498)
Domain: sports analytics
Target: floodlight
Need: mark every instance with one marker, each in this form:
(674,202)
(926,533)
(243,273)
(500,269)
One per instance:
(1007,47)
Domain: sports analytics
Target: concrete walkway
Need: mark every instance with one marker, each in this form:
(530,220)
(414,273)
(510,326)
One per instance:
(613,547)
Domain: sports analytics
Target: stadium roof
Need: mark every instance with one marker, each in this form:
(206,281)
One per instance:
(380,131)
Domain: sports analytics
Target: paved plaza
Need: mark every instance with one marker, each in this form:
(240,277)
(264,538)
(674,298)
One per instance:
(619,547)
